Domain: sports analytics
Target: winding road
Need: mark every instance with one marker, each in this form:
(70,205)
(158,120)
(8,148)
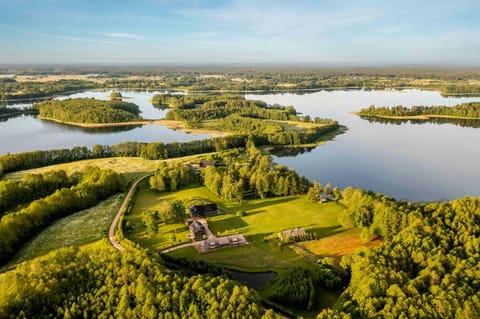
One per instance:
(113,226)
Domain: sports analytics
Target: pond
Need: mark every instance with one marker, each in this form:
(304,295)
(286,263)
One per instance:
(255,280)
(418,162)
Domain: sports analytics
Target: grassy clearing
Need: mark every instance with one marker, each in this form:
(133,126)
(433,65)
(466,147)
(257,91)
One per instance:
(338,246)
(130,167)
(265,217)
(147,199)
(81,228)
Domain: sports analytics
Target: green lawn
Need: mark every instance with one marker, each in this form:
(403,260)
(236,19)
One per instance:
(264,219)
(81,228)
(147,199)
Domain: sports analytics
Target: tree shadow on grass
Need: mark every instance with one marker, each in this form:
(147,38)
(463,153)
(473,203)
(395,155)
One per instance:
(323,232)
(252,209)
(231,223)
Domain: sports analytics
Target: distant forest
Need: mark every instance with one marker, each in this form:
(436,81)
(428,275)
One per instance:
(449,81)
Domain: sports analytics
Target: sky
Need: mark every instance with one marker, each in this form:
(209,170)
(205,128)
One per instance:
(349,32)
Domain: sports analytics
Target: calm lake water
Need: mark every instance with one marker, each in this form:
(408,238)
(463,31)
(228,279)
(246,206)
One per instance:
(418,162)
(26,133)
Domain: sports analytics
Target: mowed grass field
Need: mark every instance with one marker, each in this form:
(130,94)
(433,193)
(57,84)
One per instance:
(81,228)
(264,219)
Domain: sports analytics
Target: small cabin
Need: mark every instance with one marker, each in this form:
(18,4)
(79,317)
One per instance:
(202,211)
(197,229)
(326,198)
(207,163)
(292,233)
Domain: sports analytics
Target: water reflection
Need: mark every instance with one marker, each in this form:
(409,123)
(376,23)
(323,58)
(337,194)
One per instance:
(475,123)
(403,160)
(89,130)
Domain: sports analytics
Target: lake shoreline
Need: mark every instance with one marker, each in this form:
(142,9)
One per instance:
(418,117)
(173,125)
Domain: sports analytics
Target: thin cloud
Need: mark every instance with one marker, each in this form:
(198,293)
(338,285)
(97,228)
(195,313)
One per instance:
(78,39)
(123,35)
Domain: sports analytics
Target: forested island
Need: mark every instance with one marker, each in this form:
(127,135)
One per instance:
(88,111)
(461,111)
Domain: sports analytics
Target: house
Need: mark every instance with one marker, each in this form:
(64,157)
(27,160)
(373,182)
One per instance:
(197,229)
(201,211)
(292,233)
(326,198)
(223,241)
(207,163)
(209,244)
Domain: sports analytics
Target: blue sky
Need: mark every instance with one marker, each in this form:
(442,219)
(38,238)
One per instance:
(167,31)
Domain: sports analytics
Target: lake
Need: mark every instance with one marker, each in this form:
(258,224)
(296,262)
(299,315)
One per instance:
(26,133)
(418,162)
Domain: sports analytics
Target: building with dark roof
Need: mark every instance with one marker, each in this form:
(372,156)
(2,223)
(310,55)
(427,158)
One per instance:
(197,229)
(202,211)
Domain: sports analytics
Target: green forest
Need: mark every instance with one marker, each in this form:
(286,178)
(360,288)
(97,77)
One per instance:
(98,282)
(471,109)
(449,81)
(427,266)
(88,110)
(60,196)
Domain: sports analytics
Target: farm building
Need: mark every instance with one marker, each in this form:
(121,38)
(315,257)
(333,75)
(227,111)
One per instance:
(201,211)
(196,228)
(219,242)
(297,232)
(326,198)
(207,163)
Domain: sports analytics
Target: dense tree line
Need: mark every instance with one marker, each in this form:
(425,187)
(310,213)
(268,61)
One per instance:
(471,109)
(172,176)
(295,289)
(102,283)
(94,185)
(11,89)
(181,101)
(89,110)
(428,269)
(253,177)
(154,151)
(16,192)
(375,214)
(227,105)
(151,151)
(468,90)
(245,125)
(190,267)
(327,275)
